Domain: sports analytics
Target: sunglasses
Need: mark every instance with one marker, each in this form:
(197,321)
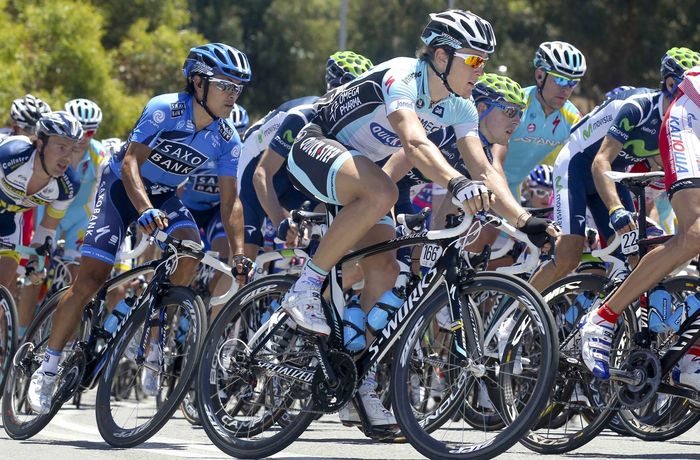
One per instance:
(510,111)
(472,60)
(227,86)
(563,81)
(538,192)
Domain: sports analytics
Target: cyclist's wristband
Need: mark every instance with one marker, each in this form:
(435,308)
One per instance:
(614,208)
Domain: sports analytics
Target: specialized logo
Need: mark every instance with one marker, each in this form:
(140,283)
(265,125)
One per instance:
(100,232)
(176,157)
(389,82)
(555,123)
(205,183)
(177,109)
(384,136)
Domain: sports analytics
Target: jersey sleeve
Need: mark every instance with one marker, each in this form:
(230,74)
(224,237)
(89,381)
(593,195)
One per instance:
(227,164)
(627,118)
(153,119)
(283,139)
(467,117)
(400,92)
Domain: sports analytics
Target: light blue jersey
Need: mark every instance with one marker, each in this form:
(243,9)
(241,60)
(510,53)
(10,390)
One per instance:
(536,137)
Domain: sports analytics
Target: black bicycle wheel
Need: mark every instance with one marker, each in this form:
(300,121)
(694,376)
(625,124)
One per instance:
(452,437)
(8,333)
(665,417)
(583,403)
(19,420)
(131,422)
(247,411)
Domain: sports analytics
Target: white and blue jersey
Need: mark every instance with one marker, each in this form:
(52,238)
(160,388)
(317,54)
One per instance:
(536,136)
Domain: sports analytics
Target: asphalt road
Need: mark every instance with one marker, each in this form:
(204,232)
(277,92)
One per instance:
(73,435)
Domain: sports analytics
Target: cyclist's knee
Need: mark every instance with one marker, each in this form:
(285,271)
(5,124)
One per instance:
(568,255)
(692,238)
(90,278)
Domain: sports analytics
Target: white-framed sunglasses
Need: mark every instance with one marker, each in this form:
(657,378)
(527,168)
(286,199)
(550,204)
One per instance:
(227,86)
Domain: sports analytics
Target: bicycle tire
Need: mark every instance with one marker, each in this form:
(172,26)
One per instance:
(8,333)
(109,428)
(502,440)
(238,438)
(15,410)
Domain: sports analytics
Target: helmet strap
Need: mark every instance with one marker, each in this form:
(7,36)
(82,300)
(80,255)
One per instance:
(44,141)
(443,75)
(541,87)
(672,93)
(203,101)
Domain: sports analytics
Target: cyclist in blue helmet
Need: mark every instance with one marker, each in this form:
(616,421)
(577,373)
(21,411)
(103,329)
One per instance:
(240,119)
(176,135)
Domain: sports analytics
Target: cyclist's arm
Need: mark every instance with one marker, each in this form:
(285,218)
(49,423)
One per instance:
(499,153)
(479,168)
(602,162)
(231,213)
(135,156)
(270,163)
(419,150)
(397,166)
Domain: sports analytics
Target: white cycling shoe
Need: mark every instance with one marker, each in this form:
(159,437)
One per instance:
(149,380)
(687,371)
(41,391)
(596,341)
(304,307)
(379,416)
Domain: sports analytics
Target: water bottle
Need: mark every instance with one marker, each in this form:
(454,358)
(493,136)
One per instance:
(660,304)
(117,316)
(274,306)
(384,309)
(354,326)
(582,304)
(683,312)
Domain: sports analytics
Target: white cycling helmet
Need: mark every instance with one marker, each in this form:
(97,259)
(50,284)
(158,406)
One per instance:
(112,145)
(61,124)
(26,111)
(459,29)
(561,58)
(87,112)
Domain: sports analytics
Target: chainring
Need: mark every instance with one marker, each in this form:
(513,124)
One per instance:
(648,365)
(327,398)
(71,375)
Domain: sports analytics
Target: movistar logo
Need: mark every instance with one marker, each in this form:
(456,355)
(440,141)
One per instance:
(587,132)
(639,149)
(557,184)
(626,125)
(288,136)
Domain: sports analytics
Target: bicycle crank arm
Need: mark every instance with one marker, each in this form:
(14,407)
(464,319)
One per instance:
(683,392)
(634,377)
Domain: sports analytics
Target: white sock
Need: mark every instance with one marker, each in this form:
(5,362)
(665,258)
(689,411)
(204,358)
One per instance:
(51,359)
(311,278)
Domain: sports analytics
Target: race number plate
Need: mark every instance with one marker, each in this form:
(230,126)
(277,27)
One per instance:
(429,255)
(629,242)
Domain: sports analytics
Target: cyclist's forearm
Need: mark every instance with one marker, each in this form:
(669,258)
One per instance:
(604,186)
(267,195)
(232,218)
(427,158)
(133,184)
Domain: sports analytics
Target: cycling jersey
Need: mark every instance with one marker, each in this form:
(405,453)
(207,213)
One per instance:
(72,227)
(536,137)
(177,152)
(634,119)
(278,133)
(201,191)
(680,136)
(17,156)
(177,149)
(352,120)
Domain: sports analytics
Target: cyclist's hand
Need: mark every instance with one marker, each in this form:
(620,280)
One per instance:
(242,268)
(623,221)
(152,219)
(471,194)
(288,231)
(540,231)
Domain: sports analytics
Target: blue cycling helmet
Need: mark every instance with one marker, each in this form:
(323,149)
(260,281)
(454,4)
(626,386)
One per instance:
(239,118)
(541,176)
(217,59)
(61,124)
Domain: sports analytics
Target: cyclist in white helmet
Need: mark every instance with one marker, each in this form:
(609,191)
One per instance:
(549,114)
(25,112)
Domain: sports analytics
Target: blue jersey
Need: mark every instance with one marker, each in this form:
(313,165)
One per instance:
(177,149)
(201,191)
(87,172)
(536,137)
(632,117)
(355,114)
(17,155)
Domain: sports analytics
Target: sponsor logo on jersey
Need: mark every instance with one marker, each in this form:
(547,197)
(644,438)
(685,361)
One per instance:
(690,117)
(176,157)
(420,103)
(439,111)
(236,152)
(159,116)
(225,130)
(320,150)
(177,109)
(389,82)
(344,102)
(411,76)
(206,184)
(678,150)
(587,131)
(531,128)
(384,136)
(555,123)
(649,130)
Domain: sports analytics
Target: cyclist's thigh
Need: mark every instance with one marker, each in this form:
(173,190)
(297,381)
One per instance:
(10,233)
(570,191)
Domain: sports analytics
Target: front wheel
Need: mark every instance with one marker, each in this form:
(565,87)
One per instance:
(426,342)
(8,333)
(127,423)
